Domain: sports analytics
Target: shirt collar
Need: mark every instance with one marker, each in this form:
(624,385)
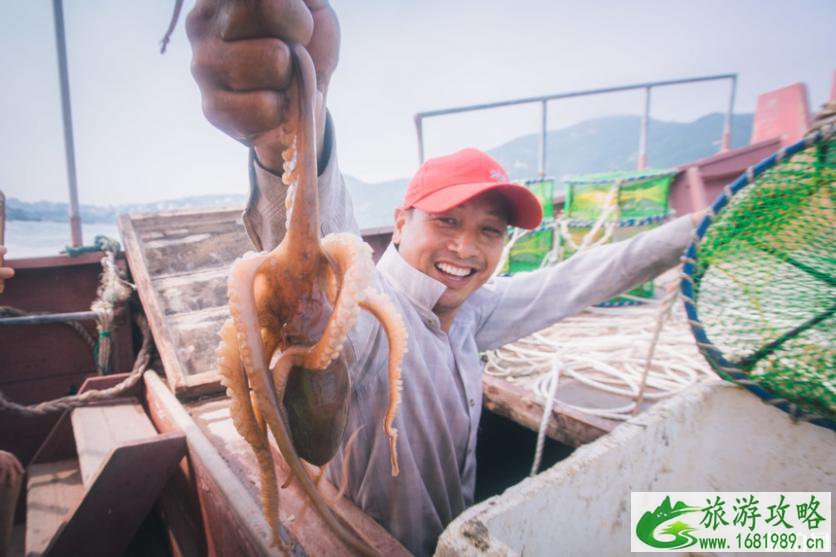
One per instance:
(421,289)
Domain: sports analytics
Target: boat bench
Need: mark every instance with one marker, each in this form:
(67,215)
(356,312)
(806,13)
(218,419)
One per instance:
(96,477)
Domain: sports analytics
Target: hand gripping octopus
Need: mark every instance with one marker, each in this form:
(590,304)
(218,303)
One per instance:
(291,311)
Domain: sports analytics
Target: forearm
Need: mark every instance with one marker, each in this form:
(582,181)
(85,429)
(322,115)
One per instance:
(529,302)
(266,215)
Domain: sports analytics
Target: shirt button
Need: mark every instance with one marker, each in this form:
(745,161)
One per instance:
(472,403)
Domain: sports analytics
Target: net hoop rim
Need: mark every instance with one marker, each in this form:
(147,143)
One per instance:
(724,368)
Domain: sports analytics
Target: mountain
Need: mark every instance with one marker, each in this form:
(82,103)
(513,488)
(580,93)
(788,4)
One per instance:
(52,211)
(611,143)
(374,204)
(597,145)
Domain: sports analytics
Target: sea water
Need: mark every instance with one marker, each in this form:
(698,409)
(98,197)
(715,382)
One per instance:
(43,238)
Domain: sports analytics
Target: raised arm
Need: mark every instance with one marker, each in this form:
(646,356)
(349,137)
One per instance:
(242,64)
(523,304)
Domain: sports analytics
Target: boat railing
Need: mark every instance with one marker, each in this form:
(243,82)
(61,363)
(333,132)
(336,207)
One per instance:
(544,100)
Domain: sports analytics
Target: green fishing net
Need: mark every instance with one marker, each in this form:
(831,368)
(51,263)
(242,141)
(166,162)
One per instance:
(762,287)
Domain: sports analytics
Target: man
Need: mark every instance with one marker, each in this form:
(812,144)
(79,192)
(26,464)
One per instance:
(447,241)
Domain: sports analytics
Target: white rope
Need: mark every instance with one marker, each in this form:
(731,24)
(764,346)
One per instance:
(547,412)
(606,349)
(89,397)
(112,293)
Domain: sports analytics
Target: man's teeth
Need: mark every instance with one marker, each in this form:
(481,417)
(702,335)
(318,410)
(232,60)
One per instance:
(453,270)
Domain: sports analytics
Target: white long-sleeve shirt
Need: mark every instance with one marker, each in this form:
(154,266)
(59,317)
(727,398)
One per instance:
(441,401)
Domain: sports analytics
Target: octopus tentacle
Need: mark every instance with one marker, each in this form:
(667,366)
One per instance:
(248,423)
(344,471)
(276,301)
(379,305)
(354,266)
(254,360)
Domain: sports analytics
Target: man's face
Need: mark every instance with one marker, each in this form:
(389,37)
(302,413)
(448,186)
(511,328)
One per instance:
(460,247)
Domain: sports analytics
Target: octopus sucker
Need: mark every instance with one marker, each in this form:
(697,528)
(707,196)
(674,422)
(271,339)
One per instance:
(246,329)
(383,309)
(292,310)
(248,423)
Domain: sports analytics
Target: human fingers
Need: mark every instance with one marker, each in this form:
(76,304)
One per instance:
(245,116)
(248,65)
(6,273)
(324,46)
(288,20)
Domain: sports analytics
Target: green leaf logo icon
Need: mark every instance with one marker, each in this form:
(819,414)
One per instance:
(681,531)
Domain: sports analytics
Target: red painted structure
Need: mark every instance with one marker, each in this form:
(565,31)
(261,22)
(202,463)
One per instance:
(43,362)
(781,118)
(783,113)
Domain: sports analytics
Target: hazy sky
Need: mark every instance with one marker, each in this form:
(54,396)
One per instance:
(140,134)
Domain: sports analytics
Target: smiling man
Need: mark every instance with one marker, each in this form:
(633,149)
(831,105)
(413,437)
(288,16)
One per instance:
(453,222)
(447,242)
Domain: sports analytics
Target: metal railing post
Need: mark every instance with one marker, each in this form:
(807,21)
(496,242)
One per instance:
(725,141)
(642,160)
(544,118)
(69,147)
(543,99)
(419,128)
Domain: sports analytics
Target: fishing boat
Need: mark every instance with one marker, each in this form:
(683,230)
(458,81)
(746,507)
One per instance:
(159,469)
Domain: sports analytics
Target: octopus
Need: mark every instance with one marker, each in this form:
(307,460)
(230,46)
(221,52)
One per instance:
(291,309)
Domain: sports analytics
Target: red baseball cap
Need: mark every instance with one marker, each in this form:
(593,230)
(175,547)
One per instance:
(444,182)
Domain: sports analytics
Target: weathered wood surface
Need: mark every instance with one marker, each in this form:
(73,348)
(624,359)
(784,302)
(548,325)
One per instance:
(60,444)
(119,497)
(180,262)
(100,428)
(97,475)
(180,502)
(53,490)
(225,470)
(525,407)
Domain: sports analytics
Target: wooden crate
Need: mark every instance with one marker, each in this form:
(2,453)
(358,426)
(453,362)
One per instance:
(180,261)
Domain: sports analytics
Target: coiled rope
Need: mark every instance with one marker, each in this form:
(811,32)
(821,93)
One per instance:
(643,352)
(72,401)
(113,291)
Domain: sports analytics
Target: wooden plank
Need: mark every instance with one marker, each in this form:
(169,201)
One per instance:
(212,416)
(180,263)
(194,252)
(231,519)
(160,222)
(119,497)
(166,347)
(196,334)
(59,444)
(224,464)
(100,428)
(53,490)
(179,502)
(193,291)
(525,407)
